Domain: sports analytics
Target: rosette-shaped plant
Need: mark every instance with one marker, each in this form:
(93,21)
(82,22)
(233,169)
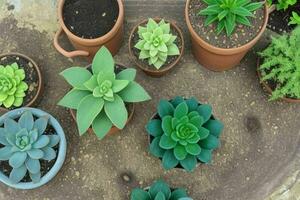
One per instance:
(159,190)
(156,43)
(12,86)
(99,95)
(25,144)
(182,132)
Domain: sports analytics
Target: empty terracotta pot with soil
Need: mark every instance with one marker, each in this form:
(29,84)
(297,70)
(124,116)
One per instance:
(27,89)
(90,25)
(143,64)
(222,52)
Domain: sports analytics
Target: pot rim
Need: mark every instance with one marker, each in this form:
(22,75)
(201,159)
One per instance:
(92,42)
(60,156)
(269,89)
(40,79)
(168,67)
(225,51)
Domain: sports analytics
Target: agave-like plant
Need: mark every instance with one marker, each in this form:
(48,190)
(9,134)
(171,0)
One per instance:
(183,132)
(156,43)
(159,190)
(229,13)
(99,95)
(12,86)
(25,144)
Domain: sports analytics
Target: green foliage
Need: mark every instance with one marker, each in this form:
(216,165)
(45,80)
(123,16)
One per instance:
(156,43)
(281,65)
(12,86)
(294,19)
(184,132)
(25,144)
(99,95)
(159,191)
(282,4)
(229,13)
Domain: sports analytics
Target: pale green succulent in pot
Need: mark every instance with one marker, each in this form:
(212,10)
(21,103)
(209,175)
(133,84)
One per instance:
(12,85)
(99,95)
(156,43)
(25,144)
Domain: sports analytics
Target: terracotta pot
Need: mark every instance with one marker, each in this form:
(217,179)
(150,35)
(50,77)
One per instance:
(154,72)
(88,47)
(269,89)
(219,59)
(40,88)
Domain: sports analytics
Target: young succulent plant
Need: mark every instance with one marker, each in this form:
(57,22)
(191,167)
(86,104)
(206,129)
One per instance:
(229,13)
(282,4)
(12,86)
(159,190)
(99,95)
(281,65)
(294,19)
(183,131)
(156,43)
(25,144)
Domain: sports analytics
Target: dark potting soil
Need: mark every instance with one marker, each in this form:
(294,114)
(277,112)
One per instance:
(144,63)
(46,166)
(279,19)
(241,35)
(90,19)
(31,76)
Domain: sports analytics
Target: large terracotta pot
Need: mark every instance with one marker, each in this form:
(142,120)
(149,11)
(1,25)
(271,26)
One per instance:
(219,59)
(88,47)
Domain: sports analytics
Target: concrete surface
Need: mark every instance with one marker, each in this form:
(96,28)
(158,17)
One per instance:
(259,158)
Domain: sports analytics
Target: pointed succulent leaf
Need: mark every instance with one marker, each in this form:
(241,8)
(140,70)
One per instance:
(76,77)
(42,141)
(116,112)
(165,108)
(155,149)
(159,186)
(11,126)
(26,121)
(205,111)
(134,92)
(139,194)
(17,159)
(154,127)
(211,142)
(167,125)
(5,153)
(193,149)
(41,124)
(3,139)
(101,125)
(17,174)
(205,155)
(127,74)
(176,101)
(215,127)
(181,110)
(54,140)
(35,153)
(192,104)
(48,153)
(103,61)
(203,133)
(180,152)
(119,85)
(160,196)
(33,165)
(166,142)
(189,163)
(177,194)
(169,161)
(35,177)
(73,98)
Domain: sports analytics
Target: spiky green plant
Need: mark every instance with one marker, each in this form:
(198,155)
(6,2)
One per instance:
(99,95)
(25,144)
(183,132)
(156,43)
(12,86)
(281,65)
(159,190)
(294,19)
(229,13)
(282,4)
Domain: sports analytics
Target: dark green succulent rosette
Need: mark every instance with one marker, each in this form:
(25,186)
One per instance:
(183,132)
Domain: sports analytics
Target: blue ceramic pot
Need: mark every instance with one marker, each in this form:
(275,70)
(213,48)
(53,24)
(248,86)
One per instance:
(14,114)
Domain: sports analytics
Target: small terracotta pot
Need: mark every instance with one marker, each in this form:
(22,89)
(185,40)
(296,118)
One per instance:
(88,47)
(269,89)
(219,59)
(40,88)
(153,72)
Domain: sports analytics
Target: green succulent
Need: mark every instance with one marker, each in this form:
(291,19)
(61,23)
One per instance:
(282,4)
(281,65)
(228,13)
(183,132)
(156,43)
(294,19)
(12,86)
(99,95)
(25,144)
(159,190)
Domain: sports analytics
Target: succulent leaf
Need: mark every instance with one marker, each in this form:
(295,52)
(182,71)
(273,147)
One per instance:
(154,128)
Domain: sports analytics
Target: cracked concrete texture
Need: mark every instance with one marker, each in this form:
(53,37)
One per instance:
(259,157)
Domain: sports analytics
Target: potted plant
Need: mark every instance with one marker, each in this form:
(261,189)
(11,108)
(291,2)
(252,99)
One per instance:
(156,46)
(102,94)
(285,15)
(159,190)
(32,148)
(279,69)
(183,133)
(20,81)
(90,25)
(222,32)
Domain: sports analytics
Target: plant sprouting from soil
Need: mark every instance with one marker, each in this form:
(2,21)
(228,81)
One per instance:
(12,85)
(99,94)
(183,132)
(25,144)
(281,65)
(294,19)
(282,4)
(229,13)
(156,43)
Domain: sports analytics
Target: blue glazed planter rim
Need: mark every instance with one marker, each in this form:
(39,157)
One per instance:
(61,151)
